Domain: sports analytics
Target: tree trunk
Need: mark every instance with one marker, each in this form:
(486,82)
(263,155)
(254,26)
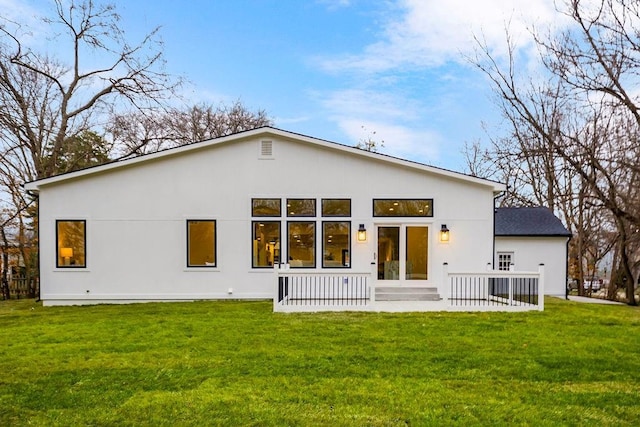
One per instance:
(6,292)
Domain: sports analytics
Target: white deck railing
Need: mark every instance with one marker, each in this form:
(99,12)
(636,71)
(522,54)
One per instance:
(315,289)
(311,290)
(522,290)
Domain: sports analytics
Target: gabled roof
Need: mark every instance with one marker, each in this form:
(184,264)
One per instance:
(262,132)
(538,221)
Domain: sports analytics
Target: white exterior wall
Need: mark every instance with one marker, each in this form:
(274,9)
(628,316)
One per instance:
(530,252)
(136,219)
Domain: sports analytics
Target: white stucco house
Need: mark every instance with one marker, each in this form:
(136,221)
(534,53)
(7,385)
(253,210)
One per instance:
(212,219)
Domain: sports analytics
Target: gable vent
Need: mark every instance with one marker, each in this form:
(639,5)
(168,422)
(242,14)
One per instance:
(266,149)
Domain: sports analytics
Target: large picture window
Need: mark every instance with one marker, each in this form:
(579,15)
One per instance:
(266,244)
(336,244)
(201,243)
(403,207)
(302,244)
(71,243)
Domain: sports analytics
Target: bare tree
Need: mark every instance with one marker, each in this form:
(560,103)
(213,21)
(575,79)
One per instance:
(369,143)
(46,103)
(582,118)
(146,132)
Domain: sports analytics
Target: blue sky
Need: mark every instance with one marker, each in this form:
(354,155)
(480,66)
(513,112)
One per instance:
(340,69)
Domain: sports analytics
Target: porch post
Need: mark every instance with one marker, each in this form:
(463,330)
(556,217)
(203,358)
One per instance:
(541,287)
(512,267)
(445,279)
(373,277)
(276,290)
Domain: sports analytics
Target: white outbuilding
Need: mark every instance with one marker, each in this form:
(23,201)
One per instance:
(529,236)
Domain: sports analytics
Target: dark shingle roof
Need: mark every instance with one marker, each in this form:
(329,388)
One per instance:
(538,221)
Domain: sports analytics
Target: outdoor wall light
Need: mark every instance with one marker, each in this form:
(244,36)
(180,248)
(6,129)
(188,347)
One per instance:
(444,233)
(362,233)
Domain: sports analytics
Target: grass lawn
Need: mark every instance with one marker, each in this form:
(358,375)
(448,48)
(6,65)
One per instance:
(238,363)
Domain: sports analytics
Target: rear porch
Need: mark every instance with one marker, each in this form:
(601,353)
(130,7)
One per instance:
(492,290)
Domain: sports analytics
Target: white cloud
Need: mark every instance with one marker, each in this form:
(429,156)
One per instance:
(406,142)
(371,103)
(22,19)
(335,4)
(16,10)
(394,119)
(416,38)
(430,33)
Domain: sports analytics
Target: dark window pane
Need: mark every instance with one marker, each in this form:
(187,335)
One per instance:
(403,207)
(266,244)
(336,207)
(388,253)
(265,207)
(301,207)
(336,244)
(302,244)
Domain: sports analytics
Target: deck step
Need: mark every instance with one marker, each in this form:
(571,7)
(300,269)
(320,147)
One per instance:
(414,293)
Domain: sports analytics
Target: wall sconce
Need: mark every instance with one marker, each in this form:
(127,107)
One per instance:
(66,254)
(444,233)
(362,233)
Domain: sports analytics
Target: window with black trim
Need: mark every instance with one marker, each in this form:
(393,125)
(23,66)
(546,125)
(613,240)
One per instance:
(266,207)
(336,207)
(336,244)
(301,237)
(301,207)
(505,259)
(201,243)
(403,207)
(71,239)
(266,247)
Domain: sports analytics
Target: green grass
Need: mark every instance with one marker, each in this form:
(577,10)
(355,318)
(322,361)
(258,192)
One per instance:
(237,363)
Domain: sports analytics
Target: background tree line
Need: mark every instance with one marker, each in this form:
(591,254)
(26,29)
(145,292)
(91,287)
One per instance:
(101,98)
(573,128)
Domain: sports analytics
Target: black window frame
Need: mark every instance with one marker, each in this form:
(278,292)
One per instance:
(314,214)
(84,244)
(315,243)
(349,246)
(279,215)
(253,237)
(215,243)
(334,216)
(501,264)
(373,208)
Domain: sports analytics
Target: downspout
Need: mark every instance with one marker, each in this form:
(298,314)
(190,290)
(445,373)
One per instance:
(566,270)
(36,195)
(495,209)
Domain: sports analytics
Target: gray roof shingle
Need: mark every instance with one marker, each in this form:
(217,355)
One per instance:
(538,221)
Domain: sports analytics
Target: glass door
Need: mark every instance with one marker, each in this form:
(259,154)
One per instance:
(388,253)
(403,253)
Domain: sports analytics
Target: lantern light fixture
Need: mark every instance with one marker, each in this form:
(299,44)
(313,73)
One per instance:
(362,233)
(444,233)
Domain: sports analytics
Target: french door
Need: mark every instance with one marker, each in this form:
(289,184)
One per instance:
(402,254)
